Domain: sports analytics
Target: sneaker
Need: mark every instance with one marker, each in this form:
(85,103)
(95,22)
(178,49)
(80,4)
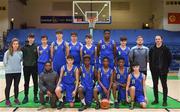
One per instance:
(25,100)
(131,106)
(97,105)
(60,105)
(36,99)
(17,102)
(8,103)
(123,102)
(83,107)
(116,105)
(164,103)
(154,102)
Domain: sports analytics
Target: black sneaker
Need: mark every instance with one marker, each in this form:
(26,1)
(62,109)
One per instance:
(116,105)
(36,99)
(25,100)
(164,103)
(60,105)
(154,102)
(83,107)
(97,105)
(131,106)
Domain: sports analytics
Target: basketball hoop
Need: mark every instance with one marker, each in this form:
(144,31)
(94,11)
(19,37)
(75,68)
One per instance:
(92,22)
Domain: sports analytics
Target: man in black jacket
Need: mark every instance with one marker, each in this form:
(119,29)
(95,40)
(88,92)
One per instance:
(159,62)
(30,57)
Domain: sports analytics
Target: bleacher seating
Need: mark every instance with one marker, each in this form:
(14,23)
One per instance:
(172,39)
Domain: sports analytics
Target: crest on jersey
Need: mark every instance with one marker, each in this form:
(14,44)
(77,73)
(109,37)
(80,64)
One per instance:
(103,46)
(133,81)
(84,75)
(65,73)
(119,52)
(40,52)
(118,76)
(84,51)
(55,47)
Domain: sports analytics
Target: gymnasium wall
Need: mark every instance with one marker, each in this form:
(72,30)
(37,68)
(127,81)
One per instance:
(3,17)
(128,17)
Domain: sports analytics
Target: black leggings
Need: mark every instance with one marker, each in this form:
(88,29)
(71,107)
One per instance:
(9,78)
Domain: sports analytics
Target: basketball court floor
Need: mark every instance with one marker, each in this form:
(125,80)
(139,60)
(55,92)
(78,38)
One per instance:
(173,99)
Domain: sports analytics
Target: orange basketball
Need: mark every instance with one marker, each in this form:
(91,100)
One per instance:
(105,104)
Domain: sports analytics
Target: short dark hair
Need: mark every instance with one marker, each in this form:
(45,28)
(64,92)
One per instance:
(86,57)
(121,58)
(44,36)
(123,38)
(59,32)
(89,36)
(47,62)
(105,58)
(107,30)
(139,37)
(73,33)
(160,36)
(31,35)
(135,63)
(70,57)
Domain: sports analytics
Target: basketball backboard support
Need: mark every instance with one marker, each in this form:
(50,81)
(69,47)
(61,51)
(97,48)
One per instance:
(100,11)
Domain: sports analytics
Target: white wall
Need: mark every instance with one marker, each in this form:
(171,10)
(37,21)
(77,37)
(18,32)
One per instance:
(168,9)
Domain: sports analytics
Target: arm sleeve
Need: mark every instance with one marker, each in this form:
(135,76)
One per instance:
(5,59)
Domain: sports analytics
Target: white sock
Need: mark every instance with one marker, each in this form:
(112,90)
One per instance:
(61,99)
(83,101)
(116,100)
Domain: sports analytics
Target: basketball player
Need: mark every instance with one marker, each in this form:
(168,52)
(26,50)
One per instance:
(105,80)
(136,87)
(123,51)
(120,79)
(107,48)
(89,49)
(43,54)
(59,51)
(68,82)
(87,81)
(75,48)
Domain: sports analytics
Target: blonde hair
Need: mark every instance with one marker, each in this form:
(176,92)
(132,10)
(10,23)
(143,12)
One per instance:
(11,46)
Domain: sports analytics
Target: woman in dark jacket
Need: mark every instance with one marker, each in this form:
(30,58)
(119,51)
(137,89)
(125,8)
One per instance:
(159,62)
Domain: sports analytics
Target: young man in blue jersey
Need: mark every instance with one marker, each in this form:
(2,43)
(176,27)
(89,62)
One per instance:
(120,79)
(89,49)
(59,52)
(43,53)
(105,81)
(136,87)
(68,82)
(75,48)
(87,81)
(123,51)
(107,48)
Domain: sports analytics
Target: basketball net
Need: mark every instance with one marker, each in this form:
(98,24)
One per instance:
(92,22)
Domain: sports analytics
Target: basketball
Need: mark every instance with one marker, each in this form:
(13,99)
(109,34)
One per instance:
(105,104)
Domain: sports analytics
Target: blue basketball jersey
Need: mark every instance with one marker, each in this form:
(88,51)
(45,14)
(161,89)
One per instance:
(137,82)
(44,54)
(90,52)
(59,57)
(124,54)
(105,77)
(121,78)
(107,51)
(87,77)
(75,52)
(69,76)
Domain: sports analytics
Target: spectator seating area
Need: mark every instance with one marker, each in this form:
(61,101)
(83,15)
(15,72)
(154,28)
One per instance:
(172,39)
